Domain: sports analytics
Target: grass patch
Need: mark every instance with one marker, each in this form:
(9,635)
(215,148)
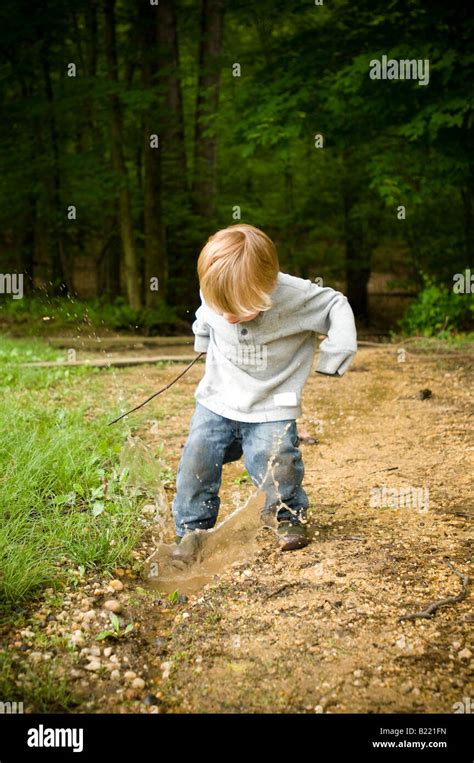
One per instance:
(64,499)
(37,315)
(39,689)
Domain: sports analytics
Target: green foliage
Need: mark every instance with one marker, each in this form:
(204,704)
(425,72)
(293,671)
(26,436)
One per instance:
(41,690)
(54,466)
(438,311)
(117,632)
(37,315)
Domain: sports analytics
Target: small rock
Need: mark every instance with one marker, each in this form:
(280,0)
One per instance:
(116,585)
(27,634)
(401,642)
(161,644)
(424,394)
(107,651)
(130,675)
(77,638)
(150,699)
(115,675)
(113,605)
(138,683)
(93,666)
(465,654)
(94,651)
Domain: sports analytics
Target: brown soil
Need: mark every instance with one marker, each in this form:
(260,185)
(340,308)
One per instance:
(317,630)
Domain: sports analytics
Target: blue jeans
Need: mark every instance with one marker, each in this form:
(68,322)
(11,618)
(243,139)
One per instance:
(215,440)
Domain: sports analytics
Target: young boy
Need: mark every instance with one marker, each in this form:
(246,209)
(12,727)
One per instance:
(258,327)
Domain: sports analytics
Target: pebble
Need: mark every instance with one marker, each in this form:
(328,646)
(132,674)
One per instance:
(113,605)
(116,585)
(93,665)
(27,634)
(77,638)
(150,699)
(107,651)
(130,675)
(465,654)
(115,675)
(138,683)
(160,643)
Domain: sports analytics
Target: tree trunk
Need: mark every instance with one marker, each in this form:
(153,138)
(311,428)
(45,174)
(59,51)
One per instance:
(172,118)
(155,246)
(131,271)
(62,266)
(205,145)
(358,266)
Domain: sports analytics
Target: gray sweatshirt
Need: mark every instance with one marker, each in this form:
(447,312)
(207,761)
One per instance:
(256,370)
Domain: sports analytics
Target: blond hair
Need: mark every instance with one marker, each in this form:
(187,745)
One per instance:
(237,269)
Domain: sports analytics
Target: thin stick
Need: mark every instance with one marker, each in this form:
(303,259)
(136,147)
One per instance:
(442,602)
(156,393)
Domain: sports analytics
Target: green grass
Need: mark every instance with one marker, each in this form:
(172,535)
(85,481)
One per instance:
(53,511)
(40,690)
(37,315)
(26,351)
(55,459)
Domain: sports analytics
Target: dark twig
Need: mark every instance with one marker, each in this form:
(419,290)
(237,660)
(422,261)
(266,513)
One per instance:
(282,588)
(156,393)
(442,602)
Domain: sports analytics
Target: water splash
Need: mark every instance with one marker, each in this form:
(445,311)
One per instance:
(233,541)
(144,474)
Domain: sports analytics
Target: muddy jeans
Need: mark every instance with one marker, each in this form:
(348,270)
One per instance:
(213,441)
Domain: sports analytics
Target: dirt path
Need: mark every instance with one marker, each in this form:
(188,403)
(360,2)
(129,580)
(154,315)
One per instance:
(314,630)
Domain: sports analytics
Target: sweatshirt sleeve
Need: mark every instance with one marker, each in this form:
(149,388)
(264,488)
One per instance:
(201,329)
(327,311)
